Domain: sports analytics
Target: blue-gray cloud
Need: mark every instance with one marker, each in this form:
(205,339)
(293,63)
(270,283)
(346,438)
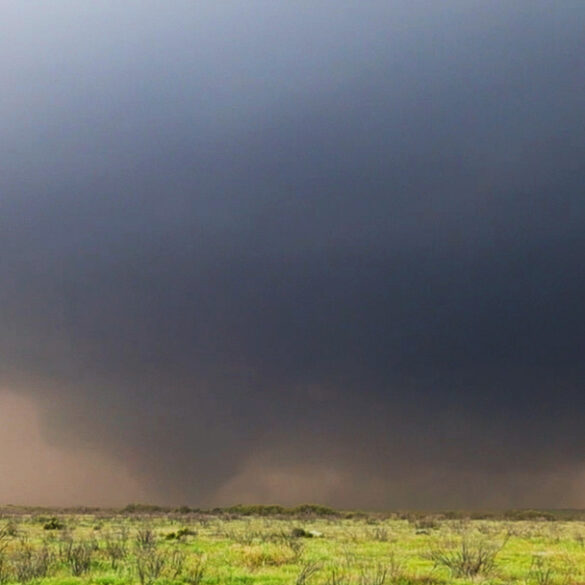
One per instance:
(256,227)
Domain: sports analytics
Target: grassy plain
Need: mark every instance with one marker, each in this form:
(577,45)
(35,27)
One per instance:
(306,546)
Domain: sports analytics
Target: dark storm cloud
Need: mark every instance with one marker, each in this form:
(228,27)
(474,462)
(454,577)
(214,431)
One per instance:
(273,237)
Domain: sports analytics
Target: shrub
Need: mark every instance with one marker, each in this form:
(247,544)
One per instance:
(53,524)
(541,571)
(256,556)
(471,558)
(337,577)
(175,563)
(380,534)
(150,562)
(149,565)
(116,547)
(78,556)
(308,569)
(195,572)
(181,534)
(29,563)
(300,533)
(374,576)
(145,539)
(4,540)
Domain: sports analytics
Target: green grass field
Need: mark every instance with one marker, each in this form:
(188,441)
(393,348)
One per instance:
(304,546)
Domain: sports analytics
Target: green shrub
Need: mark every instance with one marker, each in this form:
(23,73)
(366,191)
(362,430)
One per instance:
(54,524)
(300,533)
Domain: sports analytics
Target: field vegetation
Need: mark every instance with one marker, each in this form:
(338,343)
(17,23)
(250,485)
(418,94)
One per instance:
(308,545)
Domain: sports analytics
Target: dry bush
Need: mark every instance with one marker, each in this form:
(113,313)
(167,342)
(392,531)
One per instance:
(541,572)
(149,561)
(307,571)
(4,569)
(256,556)
(175,563)
(145,538)
(150,564)
(380,534)
(471,558)
(394,566)
(78,555)
(338,577)
(115,546)
(30,563)
(195,571)
(376,575)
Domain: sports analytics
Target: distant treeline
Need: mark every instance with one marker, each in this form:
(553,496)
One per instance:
(312,510)
(513,515)
(325,511)
(239,510)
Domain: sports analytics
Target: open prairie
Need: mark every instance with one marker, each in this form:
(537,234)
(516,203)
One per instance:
(303,546)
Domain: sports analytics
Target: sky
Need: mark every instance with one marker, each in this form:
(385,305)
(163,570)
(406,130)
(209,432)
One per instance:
(288,252)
